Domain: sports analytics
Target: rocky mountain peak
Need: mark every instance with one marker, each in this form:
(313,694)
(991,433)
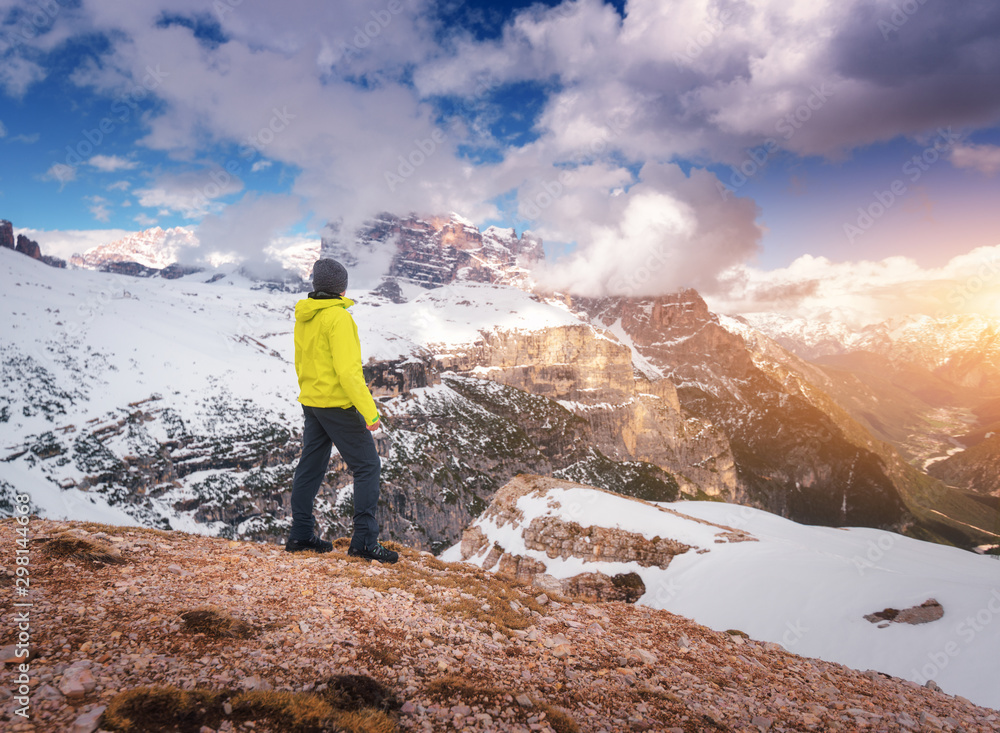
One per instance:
(154,248)
(25,246)
(6,234)
(436,250)
(28,247)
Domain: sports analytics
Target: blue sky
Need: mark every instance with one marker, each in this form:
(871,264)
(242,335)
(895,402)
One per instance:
(721,141)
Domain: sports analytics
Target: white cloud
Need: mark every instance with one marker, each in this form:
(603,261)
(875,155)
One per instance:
(99,208)
(111,163)
(26,139)
(983,158)
(307,86)
(260,165)
(17,74)
(60,172)
(865,292)
(245,230)
(119,186)
(193,194)
(144,220)
(668,231)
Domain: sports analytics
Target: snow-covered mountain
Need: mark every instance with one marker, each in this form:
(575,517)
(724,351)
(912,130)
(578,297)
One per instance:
(837,594)
(174,401)
(433,251)
(964,349)
(154,248)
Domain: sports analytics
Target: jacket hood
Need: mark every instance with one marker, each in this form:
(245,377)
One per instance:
(307,308)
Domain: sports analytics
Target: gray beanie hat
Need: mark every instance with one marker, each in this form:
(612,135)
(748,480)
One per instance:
(329,276)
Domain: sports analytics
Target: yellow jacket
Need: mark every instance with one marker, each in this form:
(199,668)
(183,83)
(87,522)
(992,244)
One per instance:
(328,357)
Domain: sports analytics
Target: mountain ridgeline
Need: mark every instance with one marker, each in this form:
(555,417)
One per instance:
(657,398)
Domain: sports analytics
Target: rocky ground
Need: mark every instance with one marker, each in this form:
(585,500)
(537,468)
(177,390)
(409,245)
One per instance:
(143,630)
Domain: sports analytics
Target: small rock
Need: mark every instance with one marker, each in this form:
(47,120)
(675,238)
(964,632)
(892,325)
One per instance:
(930,719)
(48,692)
(761,722)
(541,599)
(77,681)
(256,682)
(932,685)
(557,640)
(408,708)
(461,710)
(643,656)
(906,721)
(524,701)
(87,723)
(175,569)
(9,654)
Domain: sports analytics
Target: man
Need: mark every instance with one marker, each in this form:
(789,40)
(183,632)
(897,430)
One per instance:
(339,410)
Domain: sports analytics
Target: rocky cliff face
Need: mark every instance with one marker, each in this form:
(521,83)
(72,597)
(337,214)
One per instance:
(28,247)
(434,251)
(25,246)
(629,417)
(6,234)
(790,457)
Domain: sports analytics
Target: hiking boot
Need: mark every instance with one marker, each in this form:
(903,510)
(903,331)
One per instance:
(375,552)
(314,543)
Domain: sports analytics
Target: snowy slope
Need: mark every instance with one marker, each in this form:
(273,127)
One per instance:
(806,588)
(87,353)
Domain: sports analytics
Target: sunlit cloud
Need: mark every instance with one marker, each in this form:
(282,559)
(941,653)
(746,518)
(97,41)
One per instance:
(983,158)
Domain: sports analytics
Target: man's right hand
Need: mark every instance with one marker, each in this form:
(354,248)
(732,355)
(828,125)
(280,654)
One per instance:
(375,426)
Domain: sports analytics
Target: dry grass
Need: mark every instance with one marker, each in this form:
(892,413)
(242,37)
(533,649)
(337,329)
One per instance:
(121,531)
(452,686)
(559,720)
(356,692)
(215,622)
(364,721)
(291,711)
(70,545)
(162,709)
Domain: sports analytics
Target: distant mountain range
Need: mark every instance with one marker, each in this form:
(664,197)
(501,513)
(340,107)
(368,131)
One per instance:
(154,248)
(171,400)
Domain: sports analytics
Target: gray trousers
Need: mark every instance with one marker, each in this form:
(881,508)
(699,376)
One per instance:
(344,428)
